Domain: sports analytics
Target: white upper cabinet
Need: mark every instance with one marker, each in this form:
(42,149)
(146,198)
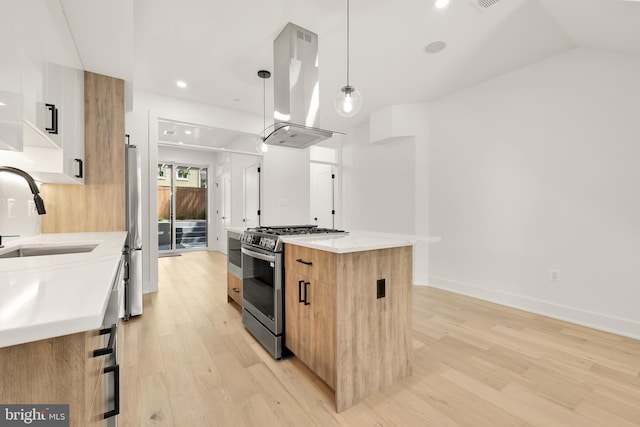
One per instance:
(11,103)
(43,68)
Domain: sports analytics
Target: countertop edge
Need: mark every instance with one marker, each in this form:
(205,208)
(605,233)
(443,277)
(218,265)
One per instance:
(358,241)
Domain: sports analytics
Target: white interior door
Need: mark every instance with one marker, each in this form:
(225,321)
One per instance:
(321,197)
(251,192)
(223,201)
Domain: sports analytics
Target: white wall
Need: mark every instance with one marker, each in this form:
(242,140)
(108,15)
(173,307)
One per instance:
(385,185)
(538,170)
(378,183)
(17,214)
(285,186)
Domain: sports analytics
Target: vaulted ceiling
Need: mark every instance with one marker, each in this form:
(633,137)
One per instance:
(217,46)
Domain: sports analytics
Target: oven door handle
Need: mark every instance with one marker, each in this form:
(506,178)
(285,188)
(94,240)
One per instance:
(269,258)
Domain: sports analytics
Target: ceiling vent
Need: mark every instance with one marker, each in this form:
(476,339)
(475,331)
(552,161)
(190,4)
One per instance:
(484,4)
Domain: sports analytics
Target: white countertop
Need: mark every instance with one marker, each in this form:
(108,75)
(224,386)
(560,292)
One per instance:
(357,241)
(56,295)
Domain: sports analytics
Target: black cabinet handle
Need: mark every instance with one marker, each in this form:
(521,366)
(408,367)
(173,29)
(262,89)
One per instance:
(305,293)
(80,172)
(112,341)
(236,290)
(301,261)
(54,119)
(116,390)
(300,282)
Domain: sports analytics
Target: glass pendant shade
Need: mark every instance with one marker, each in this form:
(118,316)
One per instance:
(348,101)
(261,147)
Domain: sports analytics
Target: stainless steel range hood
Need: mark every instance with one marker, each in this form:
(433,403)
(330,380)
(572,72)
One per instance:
(296,90)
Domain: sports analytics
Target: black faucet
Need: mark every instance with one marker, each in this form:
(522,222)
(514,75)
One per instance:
(32,185)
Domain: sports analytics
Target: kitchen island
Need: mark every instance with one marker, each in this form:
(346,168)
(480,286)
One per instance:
(348,309)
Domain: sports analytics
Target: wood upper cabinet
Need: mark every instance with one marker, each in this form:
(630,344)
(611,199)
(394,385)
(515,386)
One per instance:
(336,324)
(99,205)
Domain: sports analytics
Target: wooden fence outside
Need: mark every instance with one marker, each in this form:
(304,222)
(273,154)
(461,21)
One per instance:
(190,202)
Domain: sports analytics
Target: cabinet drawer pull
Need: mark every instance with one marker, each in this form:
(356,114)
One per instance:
(116,390)
(301,261)
(300,299)
(236,290)
(54,119)
(112,336)
(80,172)
(306,302)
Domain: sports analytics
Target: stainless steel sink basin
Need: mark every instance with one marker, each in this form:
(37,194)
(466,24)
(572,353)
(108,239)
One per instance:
(41,250)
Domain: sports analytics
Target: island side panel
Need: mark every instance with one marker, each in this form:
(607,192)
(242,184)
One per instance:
(374,335)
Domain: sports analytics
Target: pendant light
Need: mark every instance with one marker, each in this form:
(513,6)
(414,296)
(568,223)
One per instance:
(261,147)
(349,100)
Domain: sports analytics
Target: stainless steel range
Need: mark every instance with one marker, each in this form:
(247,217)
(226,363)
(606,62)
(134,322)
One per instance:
(263,281)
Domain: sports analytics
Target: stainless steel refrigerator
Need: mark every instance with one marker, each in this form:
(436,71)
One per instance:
(133,251)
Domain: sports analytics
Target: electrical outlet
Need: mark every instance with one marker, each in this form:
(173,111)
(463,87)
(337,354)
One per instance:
(31,208)
(380,288)
(10,203)
(554,275)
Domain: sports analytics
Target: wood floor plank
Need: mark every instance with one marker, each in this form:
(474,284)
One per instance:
(156,406)
(188,361)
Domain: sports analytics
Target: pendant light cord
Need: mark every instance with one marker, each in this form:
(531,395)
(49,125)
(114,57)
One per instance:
(264,105)
(348,42)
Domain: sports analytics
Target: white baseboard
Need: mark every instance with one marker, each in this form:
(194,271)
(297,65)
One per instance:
(602,322)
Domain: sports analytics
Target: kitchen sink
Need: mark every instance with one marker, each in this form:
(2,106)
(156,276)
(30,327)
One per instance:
(43,250)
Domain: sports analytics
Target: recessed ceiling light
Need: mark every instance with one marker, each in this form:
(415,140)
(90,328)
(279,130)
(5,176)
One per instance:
(169,132)
(181,84)
(180,142)
(442,3)
(2,104)
(435,47)
(188,132)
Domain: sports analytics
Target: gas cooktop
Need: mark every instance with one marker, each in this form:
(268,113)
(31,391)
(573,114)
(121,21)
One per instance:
(267,237)
(289,230)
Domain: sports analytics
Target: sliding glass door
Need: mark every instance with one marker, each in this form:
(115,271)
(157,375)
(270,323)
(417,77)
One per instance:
(182,206)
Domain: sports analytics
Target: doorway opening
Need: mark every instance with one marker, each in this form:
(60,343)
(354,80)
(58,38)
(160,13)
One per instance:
(182,206)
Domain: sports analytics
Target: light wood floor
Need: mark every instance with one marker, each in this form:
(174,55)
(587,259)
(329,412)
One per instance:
(188,362)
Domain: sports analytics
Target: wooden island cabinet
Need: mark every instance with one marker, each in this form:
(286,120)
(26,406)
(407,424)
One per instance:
(348,317)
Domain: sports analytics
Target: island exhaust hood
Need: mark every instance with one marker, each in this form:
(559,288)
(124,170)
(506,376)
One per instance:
(296,90)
